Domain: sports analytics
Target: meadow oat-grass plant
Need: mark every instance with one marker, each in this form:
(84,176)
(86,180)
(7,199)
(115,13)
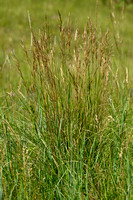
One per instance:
(65,132)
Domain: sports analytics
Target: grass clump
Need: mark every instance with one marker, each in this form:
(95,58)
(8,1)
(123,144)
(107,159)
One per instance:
(64,132)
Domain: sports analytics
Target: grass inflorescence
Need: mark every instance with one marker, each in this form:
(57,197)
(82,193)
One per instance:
(65,132)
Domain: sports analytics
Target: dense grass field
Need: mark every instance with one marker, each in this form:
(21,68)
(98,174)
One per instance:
(66,112)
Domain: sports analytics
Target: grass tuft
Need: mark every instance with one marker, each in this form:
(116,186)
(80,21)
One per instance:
(65,132)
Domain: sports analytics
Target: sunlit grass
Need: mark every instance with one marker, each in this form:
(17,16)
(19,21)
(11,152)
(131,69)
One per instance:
(66,129)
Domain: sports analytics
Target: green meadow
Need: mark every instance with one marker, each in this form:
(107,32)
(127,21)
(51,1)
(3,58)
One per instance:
(66,100)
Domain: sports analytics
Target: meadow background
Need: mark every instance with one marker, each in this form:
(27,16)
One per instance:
(66,99)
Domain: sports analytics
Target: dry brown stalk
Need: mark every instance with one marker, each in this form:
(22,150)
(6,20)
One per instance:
(20,72)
